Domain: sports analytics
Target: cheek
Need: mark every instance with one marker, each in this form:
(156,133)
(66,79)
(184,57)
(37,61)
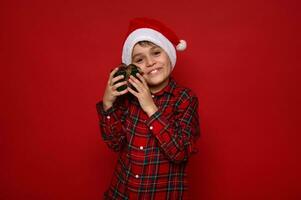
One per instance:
(168,70)
(141,66)
(167,66)
(143,69)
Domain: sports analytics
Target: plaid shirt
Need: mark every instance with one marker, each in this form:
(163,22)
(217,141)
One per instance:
(153,151)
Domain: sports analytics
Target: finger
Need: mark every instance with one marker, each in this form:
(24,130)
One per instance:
(142,79)
(116,93)
(117,85)
(133,92)
(113,72)
(137,81)
(117,78)
(133,83)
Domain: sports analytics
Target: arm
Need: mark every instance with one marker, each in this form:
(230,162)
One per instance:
(110,122)
(177,136)
(112,117)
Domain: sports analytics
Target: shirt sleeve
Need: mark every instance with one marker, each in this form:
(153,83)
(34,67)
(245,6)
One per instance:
(110,123)
(177,135)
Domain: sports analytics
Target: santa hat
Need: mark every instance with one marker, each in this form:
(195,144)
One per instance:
(145,29)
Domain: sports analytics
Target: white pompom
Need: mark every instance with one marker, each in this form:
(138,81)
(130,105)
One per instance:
(182,45)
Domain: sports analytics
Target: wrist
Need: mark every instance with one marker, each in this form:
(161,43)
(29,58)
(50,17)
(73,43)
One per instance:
(151,111)
(106,106)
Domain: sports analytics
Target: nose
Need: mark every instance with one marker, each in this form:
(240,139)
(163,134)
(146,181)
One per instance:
(149,61)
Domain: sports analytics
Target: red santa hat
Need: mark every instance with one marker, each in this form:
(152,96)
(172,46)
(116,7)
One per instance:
(146,29)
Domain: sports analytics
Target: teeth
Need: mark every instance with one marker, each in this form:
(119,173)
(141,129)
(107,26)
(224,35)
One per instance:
(154,71)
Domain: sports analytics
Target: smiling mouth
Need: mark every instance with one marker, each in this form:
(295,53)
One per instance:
(155,71)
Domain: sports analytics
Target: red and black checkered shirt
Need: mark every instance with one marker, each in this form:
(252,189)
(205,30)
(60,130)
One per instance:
(153,151)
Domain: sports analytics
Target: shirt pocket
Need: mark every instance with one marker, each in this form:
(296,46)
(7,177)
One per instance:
(135,125)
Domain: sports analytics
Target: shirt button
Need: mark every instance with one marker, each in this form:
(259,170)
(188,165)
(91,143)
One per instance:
(151,127)
(153,95)
(108,117)
(141,147)
(136,176)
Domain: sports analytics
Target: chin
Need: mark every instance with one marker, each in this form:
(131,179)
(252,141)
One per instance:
(156,81)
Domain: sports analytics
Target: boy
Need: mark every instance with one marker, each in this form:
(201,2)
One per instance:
(154,128)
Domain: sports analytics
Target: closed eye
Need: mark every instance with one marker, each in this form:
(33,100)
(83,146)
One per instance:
(138,60)
(157,52)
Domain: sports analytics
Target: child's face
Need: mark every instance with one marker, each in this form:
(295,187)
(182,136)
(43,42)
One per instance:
(154,63)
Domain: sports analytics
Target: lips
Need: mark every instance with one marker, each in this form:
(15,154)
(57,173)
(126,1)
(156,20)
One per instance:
(154,71)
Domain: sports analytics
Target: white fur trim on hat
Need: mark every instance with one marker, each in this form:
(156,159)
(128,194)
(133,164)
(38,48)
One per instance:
(147,34)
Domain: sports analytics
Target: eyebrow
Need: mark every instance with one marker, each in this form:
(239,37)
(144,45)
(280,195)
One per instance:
(138,54)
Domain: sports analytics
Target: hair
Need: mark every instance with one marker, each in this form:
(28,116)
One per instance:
(146,43)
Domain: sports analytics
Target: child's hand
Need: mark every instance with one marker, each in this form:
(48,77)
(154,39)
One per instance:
(111,92)
(144,95)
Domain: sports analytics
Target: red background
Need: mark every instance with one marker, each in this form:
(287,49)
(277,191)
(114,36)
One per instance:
(242,61)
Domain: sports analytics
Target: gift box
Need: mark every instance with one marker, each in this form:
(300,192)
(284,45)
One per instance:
(126,71)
